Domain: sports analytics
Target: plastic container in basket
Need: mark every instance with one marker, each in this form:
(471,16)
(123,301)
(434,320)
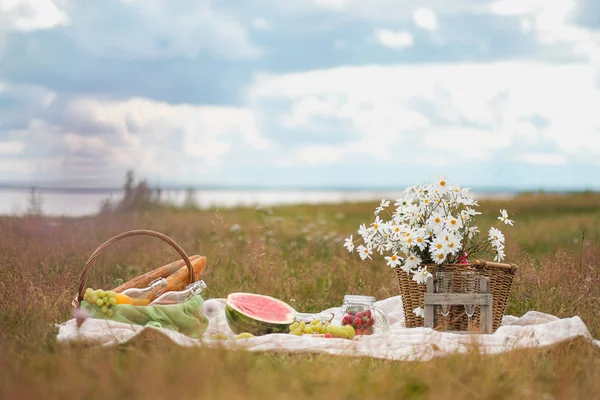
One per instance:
(501,279)
(187,318)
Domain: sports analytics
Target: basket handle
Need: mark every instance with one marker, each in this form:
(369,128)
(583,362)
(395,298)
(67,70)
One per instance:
(484,263)
(115,239)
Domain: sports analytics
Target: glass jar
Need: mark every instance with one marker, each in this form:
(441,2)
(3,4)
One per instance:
(363,315)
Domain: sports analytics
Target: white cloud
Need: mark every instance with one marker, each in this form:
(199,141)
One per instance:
(391,10)
(260,24)
(480,143)
(545,159)
(425,18)
(551,22)
(93,137)
(420,112)
(331,4)
(88,144)
(11,147)
(394,39)
(160,29)
(11,168)
(30,15)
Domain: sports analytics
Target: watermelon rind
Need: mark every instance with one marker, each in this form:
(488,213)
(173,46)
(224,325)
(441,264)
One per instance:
(239,322)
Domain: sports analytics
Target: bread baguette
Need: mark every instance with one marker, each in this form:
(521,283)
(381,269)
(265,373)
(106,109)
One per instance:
(180,279)
(144,280)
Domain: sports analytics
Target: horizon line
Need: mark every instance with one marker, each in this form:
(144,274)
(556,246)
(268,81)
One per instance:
(329,188)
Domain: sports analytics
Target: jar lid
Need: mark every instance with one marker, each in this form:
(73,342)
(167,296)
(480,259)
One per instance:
(355,298)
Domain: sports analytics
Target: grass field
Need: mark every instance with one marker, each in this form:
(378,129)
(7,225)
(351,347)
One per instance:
(290,253)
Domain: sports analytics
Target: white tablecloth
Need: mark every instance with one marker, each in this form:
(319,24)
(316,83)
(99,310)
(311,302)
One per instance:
(400,343)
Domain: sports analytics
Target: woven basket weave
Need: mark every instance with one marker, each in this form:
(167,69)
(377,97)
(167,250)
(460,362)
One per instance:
(501,279)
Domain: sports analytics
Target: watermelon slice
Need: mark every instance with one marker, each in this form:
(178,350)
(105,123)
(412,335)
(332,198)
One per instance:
(258,314)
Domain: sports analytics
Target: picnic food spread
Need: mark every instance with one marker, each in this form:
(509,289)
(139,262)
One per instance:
(430,231)
(156,299)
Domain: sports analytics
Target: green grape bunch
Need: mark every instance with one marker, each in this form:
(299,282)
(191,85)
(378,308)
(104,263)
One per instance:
(314,327)
(320,328)
(104,300)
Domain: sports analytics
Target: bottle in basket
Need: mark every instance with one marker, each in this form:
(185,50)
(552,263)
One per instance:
(180,297)
(143,296)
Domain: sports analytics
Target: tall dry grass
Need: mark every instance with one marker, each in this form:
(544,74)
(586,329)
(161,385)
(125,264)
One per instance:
(295,254)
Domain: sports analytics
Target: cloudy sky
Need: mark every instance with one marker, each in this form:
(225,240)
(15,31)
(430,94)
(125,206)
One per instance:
(489,93)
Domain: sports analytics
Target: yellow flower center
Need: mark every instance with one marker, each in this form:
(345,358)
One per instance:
(453,221)
(375,226)
(440,256)
(420,240)
(394,258)
(442,183)
(396,229)
(439,245)
(438,220)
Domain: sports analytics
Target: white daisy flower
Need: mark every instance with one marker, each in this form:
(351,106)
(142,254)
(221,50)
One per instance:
(349,244)
(395,231)
(452,243)
(384,203)
(437,244)
(378,224)
(499,254)
(496,237)
(504,218)
(412,261)
(453,223)
(393,260)
(439,256)
(435,222)
(412,212)
(421,275)
(442,183)
(408,237)
(425,202)
(419,312)
(362,230)
(472,231)
(364,252)
(421,236)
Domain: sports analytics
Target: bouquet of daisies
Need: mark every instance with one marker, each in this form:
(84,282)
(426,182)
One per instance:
(432,223)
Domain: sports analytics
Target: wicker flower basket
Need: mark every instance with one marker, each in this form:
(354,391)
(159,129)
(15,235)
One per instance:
(501,279)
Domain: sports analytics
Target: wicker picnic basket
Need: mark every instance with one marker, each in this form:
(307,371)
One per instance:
(501,279)
(141,232)
(187,317)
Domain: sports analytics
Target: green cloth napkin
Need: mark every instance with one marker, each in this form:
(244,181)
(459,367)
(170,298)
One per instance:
(187,318)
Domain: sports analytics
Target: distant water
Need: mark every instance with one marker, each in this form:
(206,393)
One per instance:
(80,203)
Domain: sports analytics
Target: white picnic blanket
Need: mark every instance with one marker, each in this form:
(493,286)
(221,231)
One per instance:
(400,343)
